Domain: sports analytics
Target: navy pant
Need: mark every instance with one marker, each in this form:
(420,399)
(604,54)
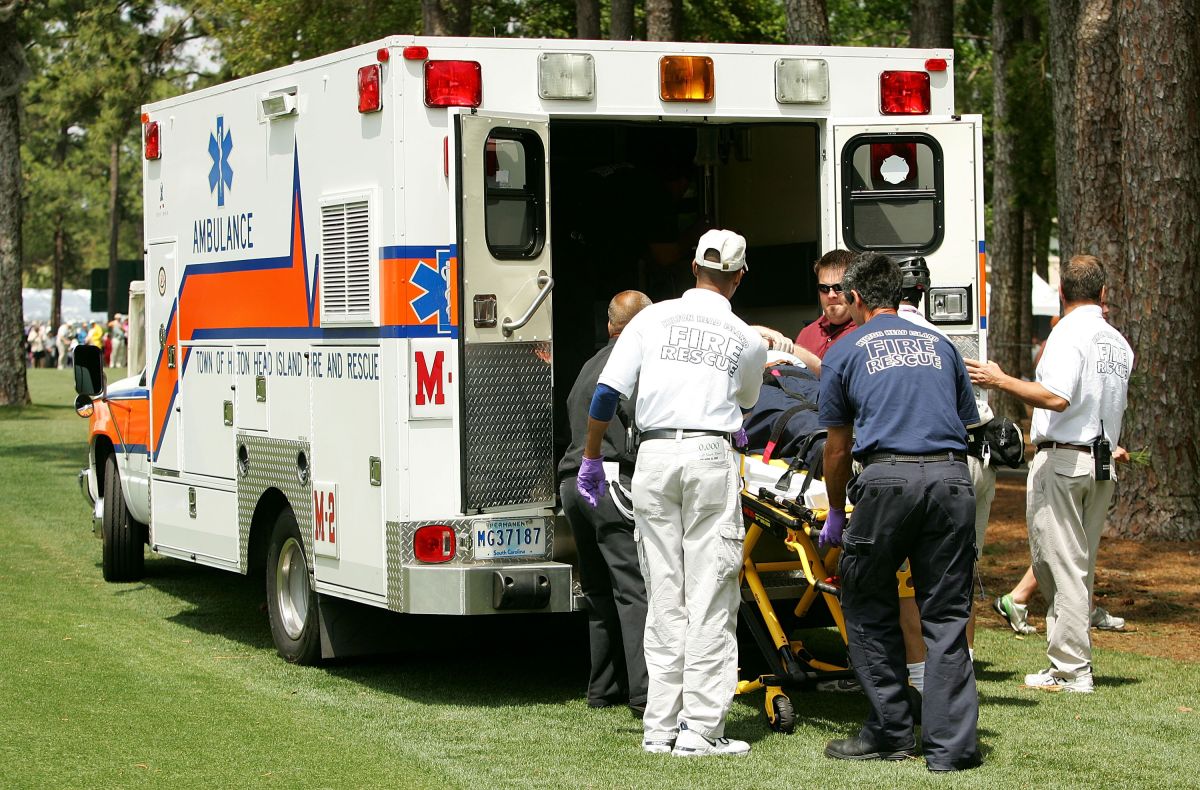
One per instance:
(925,512)
(612,583)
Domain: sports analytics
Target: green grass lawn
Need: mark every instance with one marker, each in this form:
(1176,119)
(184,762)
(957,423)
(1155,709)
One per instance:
(173,682)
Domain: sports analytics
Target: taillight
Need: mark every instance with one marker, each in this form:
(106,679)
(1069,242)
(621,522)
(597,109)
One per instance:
(150,134)
(893,165)
(369,95)
(936,64)
(453,83)
(686,78)
(904,93)
(434,543)
(415,53)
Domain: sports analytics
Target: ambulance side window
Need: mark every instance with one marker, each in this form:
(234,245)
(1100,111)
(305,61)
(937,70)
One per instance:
(892,193)
(515,186)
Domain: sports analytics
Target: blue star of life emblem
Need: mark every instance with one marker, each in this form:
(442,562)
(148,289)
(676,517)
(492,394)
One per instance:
(436,297)
(220,177)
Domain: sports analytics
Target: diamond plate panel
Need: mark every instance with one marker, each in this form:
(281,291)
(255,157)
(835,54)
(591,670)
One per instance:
(509,440)
(271,463)
(395,566)
(967,345)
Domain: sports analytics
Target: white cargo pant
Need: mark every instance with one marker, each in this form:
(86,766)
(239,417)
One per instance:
(1066,507)
(689,535)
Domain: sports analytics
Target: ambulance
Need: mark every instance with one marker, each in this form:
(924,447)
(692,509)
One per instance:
(372,277)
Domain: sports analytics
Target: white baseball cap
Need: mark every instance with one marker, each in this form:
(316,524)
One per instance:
(731,247)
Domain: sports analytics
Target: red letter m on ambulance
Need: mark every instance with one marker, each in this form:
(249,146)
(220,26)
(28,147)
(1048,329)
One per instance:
(429,380)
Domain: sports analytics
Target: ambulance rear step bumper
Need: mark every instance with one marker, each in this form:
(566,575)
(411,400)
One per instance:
(481,589)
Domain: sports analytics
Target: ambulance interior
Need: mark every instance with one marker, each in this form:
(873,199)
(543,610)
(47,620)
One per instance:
(629,200)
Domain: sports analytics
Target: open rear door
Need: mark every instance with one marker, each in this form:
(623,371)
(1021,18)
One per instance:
(916,189)
(507,343)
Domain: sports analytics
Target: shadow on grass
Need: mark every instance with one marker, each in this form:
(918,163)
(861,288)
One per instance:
(501,660)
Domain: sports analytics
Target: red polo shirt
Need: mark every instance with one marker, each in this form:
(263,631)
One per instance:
(818,336)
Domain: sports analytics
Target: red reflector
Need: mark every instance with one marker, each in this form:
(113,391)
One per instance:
(897,175)
(416,53)
(904,93)
(453,83)
(382,55)
(368,89)
(151,137)
(434,543)
(935,64)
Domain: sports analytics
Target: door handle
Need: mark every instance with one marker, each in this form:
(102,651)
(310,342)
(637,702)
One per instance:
(546,283)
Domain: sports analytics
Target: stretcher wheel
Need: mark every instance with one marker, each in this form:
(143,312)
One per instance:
(785,715)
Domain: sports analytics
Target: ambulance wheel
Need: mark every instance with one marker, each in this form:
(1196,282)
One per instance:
(122,556)
(785,715)
(291,600)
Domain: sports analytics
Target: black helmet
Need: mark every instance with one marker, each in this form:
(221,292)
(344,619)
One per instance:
(914,273)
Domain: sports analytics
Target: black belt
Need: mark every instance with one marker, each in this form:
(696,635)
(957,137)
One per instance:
(677,433)
(1083,448)
(895,458)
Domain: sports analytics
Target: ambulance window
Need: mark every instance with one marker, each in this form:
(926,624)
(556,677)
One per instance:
(514,179)
(892,193)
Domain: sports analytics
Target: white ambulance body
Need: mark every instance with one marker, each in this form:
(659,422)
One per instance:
(372,277)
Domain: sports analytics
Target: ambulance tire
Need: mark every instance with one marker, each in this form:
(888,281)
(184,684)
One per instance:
(122,557)
(291,599)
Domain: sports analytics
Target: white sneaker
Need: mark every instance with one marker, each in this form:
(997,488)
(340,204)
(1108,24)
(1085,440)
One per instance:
(1053,680)
(1105,621)
(658,745)
(692,744)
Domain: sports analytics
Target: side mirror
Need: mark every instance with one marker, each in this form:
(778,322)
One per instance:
(84,406)
(89,370)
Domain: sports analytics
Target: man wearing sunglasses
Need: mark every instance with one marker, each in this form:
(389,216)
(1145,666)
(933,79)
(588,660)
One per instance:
(835,319)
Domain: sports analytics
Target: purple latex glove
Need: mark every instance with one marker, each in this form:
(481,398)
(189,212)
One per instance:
(831,533)
(740,440)
(591,482)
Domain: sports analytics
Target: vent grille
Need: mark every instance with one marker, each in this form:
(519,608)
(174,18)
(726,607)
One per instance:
(346,262)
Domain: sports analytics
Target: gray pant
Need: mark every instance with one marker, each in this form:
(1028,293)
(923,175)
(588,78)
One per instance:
(1065,508)
(983,479)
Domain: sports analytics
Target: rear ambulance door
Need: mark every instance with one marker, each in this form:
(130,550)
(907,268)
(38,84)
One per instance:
(504,253)
(164,358)
(916,189)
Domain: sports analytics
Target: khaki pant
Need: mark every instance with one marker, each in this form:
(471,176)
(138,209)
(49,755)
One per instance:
(689,532)
(983,478)
(1065,508)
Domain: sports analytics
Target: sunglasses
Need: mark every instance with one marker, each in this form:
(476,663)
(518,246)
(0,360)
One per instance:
(824,288)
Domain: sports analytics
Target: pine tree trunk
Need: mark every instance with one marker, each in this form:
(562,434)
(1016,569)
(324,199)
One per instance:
(1007,241)
(620,27)
(114,223)
(662,20)
(932,24)
(56,275)
(434,20)
(807,22)
(587,19)
(1155,302)
(14,389)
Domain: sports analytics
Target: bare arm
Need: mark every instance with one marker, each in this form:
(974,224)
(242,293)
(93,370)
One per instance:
(776,341)
(989,376)
(595,437)
(837,464)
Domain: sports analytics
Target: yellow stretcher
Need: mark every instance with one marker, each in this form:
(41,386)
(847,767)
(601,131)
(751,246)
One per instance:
(781,563)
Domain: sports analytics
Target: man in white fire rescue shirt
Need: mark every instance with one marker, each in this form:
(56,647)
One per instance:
(1079,402)
(696,366)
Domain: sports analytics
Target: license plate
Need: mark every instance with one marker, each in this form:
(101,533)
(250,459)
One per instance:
(516,537)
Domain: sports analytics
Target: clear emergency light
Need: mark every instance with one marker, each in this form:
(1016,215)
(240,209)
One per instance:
(434,543)
(904,93)
(686,78)
(801,81)
(370,97)
(153,141)
(453,83)
(566,75)
(278,105)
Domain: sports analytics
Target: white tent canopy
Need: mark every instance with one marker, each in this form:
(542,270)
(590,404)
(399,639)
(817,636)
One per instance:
(1045,297)
(76,305)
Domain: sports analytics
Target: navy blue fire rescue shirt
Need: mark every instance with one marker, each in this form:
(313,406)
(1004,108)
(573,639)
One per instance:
(905,389)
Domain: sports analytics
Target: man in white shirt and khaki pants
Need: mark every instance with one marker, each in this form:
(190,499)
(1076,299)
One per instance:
(696,367)
(1079,397)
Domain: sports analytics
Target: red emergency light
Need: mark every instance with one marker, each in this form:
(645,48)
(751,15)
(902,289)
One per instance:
(453,83)
(153,141)
(370,97)
(434,543)
(935,64)
(904,93)
(415,53)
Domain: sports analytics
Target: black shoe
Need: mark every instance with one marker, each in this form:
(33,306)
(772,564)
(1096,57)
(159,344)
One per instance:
(858,749)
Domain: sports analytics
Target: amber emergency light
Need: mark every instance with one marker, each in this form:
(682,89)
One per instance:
(686,78)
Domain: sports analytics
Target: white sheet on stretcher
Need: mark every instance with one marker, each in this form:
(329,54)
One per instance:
(756,475)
